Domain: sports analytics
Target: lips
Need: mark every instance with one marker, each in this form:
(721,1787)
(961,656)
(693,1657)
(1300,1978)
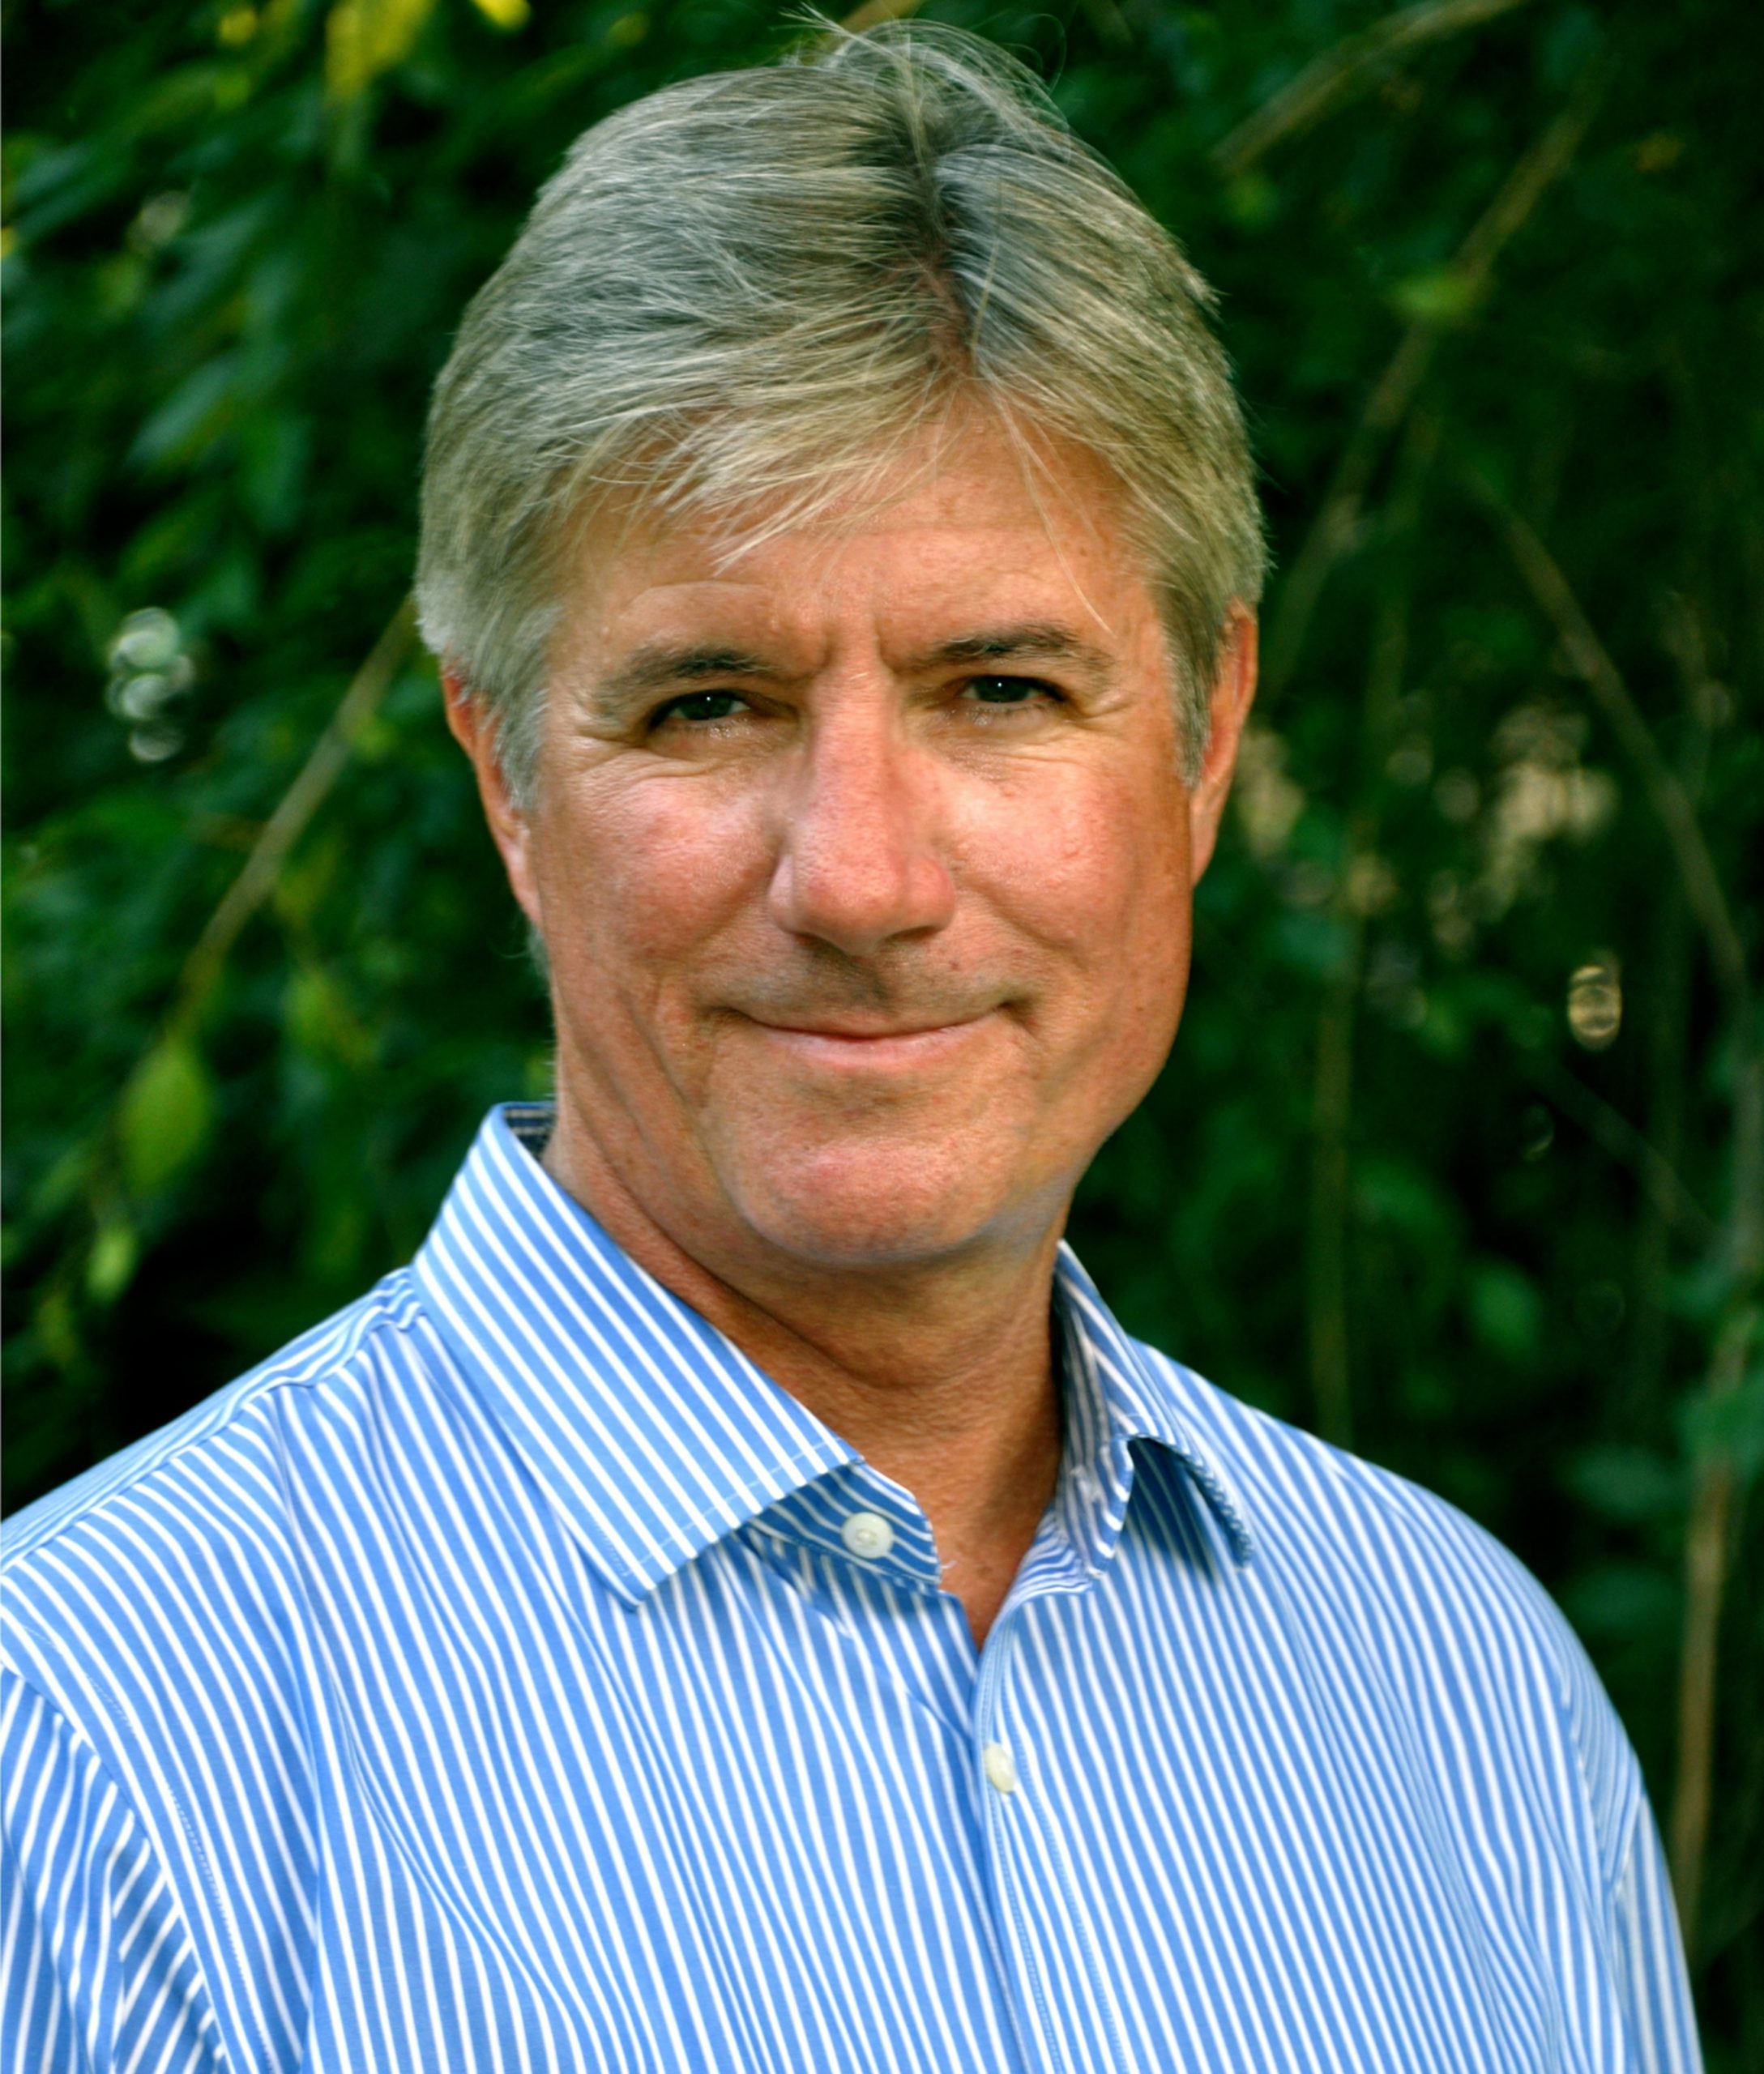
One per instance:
(850,1042)
(851,1033)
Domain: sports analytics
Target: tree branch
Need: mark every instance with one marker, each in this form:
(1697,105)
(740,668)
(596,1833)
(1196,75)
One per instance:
(1336,73)
(1620,1140)
(1592,662)
(1333,530)
(1708,1527)
(295,809)
(1708,1540)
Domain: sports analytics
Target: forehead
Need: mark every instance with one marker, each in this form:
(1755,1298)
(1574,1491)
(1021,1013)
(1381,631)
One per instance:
(968,525)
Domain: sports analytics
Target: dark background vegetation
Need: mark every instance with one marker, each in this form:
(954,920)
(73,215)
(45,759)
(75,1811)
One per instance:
(1460,1156)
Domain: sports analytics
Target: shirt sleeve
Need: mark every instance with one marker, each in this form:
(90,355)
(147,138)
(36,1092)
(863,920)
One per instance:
(97,1971)
(1651,1959)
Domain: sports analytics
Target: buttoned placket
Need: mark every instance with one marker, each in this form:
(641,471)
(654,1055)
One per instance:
(1009,1820)
(849,1518)
(1014,1816)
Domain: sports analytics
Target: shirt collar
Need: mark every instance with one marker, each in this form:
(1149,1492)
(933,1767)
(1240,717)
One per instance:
(653,1435)
(1119,1392)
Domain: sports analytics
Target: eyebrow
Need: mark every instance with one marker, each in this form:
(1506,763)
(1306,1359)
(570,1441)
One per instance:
(667,666)
(1029,640)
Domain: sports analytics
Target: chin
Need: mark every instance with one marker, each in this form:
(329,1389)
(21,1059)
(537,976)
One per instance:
(836,1209)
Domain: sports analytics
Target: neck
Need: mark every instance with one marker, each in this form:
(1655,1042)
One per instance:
(941,1375)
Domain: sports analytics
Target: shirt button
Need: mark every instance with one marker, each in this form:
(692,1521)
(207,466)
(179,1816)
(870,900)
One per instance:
(1000,1767)
(868,1536)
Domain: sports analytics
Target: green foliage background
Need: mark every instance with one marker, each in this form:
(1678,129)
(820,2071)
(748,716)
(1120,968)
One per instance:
(1490,276)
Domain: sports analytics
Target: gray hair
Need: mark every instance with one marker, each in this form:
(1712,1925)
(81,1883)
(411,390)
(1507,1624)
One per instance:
(749,291)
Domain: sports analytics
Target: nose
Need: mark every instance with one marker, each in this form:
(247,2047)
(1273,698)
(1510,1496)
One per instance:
(858,860)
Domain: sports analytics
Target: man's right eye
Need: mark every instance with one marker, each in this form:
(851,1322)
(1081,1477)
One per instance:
(699,707)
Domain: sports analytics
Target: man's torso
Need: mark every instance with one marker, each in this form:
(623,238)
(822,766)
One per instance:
(1270,1762)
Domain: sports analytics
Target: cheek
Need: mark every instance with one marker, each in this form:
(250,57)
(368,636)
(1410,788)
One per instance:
(1097,870)
(640,873)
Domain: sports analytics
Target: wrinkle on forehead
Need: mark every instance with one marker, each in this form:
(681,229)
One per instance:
(730,528)
(1013,538)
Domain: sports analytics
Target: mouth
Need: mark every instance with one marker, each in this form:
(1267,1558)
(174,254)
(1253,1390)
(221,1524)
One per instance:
(861,1041)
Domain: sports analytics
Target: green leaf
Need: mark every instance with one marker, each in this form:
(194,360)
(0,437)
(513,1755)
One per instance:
(1392,1194)
(1253,199)
(319,1020)
(1507,1311)
(364,38)
(1441,295)
(111,1264)
(1633,1484)
(1622,1601)
(167,1109)
(1729,1427)
(190,416)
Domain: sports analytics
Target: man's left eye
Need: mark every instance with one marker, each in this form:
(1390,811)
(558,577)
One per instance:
(1004,691)
(703,706)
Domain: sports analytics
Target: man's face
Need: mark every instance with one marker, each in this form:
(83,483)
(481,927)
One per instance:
(864,864)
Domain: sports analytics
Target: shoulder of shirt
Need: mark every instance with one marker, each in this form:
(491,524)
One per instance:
(1332,1522)
(1350,1519)
(325,1357)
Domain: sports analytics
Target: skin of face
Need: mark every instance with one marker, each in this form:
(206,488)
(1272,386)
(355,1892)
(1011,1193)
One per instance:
(864,865)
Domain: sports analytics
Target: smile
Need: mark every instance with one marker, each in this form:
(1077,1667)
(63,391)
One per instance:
(853,1045)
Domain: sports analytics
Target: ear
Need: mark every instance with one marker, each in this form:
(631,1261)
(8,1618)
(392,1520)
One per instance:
(1234,688)
(474,727)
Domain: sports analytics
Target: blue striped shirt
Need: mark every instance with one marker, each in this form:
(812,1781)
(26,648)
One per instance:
(508,1676)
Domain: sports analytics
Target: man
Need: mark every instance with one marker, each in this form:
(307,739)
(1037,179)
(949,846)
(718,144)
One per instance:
(738,1600)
